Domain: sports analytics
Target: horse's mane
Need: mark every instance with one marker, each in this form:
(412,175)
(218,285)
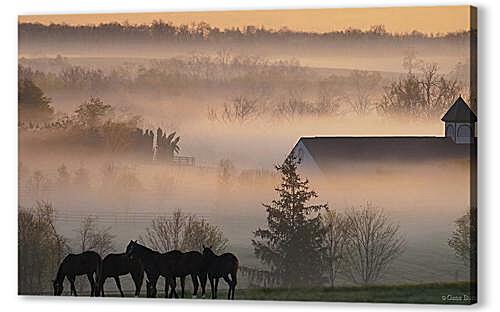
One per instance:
(147,248)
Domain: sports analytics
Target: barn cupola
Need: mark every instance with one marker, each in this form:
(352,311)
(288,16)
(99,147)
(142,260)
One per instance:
(460,122)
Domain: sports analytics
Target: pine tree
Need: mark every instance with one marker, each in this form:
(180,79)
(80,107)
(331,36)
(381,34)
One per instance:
(292,243)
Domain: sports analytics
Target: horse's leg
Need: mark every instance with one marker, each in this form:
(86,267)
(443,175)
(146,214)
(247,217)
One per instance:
(148,289)
(173,285)
(167,284)
(101,285)
(194,278)
(119,285)
(152,282)
(234,279)
(216,286)
(229,283)
(212,286)
(183,284)
(203,281)
(138,279)
(97,281)
(90,277)
(71,280)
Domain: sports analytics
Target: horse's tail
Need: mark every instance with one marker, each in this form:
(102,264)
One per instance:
(235,270)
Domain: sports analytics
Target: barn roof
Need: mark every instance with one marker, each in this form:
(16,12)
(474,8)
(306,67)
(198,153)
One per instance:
(328,152)
(459,112)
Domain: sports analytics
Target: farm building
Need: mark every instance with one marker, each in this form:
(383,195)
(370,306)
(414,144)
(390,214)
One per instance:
(324,155)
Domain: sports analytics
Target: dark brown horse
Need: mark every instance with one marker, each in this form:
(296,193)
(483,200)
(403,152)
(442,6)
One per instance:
(116,264)
(87,263)
(170,265)
(225,266)
(190,263)
(155,265)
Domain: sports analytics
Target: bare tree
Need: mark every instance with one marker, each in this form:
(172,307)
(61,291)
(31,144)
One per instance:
(364,84)
(183,232)
(241,109)
(460,241)
(92,237)
(438,91)
(373,243)
(334,242)
(419,94)
(328,99)
(293,107)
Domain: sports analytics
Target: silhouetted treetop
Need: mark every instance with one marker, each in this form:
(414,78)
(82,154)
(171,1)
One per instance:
(202,31)
(33,104)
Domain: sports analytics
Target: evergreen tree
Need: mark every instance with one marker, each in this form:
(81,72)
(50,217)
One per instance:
(33,104)
(292,243)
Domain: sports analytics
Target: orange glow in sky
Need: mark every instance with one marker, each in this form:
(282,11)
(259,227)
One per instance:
(397,19)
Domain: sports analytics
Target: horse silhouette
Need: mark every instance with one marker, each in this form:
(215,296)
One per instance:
(189,263)
(155,265)
(116,264)
(225,266)
(86,263)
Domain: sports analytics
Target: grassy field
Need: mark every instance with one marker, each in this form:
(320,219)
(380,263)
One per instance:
(439,293)
(432,293)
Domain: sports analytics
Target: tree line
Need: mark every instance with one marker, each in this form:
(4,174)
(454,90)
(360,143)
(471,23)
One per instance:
(160,30)
(280,89)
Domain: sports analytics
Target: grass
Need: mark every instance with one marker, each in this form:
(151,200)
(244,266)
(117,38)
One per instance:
(435,293)
(431,293)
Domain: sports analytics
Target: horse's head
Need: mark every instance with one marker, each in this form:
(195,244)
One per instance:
(58,287)
(207,251)
(131,248)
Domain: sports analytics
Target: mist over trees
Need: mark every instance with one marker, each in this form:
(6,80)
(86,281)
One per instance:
(101,136)
(260,89)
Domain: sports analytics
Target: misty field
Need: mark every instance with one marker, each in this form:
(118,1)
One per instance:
(178,136)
